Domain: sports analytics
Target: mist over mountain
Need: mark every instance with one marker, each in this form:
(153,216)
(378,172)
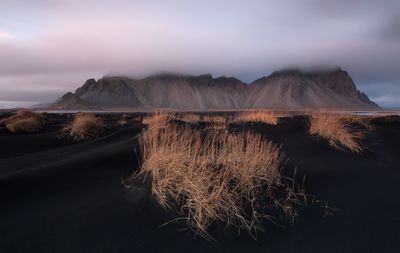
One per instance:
(287,89)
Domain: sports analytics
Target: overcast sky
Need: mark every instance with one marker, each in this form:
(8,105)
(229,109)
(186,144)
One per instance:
(49,47)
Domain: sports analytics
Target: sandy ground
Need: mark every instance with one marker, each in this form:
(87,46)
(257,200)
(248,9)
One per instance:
(61,196)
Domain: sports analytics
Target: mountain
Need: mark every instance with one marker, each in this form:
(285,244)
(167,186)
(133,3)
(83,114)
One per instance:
(292,89)
(288,89)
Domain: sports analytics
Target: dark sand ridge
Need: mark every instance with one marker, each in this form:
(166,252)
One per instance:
(60,196)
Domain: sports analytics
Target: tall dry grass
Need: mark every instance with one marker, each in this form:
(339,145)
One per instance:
(84,126)
(25,121)
(190,117)
(216,122)
(157,120)
(195,118)
(216,119)
(212,121)
(124,120)
(267,117)
(216,177)
(362,121)
(338,130)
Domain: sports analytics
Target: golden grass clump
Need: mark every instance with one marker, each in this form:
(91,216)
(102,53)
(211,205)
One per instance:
(124,120)
(339,131)
(190,117)
(215,119)
(157,120)
(216,122)
(362,121)
(25,121)
(213,122)
(217,176)
(268,117)
(85,126)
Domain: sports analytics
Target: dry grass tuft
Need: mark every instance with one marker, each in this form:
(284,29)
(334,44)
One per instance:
(339,131)
(267,117)
(362,121)
(25,121)
(216,176)
(157,120)
(216,122)
(215,119)
(190,117)
(213,122)
(124,120)
(85,126)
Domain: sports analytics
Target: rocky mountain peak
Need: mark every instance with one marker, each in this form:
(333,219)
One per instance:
(340,82)
(89,84)
(292,89)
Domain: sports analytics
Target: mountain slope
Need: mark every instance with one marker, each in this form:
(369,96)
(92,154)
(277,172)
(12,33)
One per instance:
(294,90)
(289,89)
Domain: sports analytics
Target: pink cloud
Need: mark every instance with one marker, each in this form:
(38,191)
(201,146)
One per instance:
(6,35)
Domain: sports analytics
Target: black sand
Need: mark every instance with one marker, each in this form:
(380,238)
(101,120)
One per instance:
(62,196)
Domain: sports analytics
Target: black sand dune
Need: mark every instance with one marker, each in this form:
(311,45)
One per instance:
(62,196)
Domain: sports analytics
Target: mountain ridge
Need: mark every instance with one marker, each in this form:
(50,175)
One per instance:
(286,89)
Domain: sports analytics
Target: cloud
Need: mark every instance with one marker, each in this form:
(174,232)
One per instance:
(5,35)
(59,44)
(391,28)
(388,101)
